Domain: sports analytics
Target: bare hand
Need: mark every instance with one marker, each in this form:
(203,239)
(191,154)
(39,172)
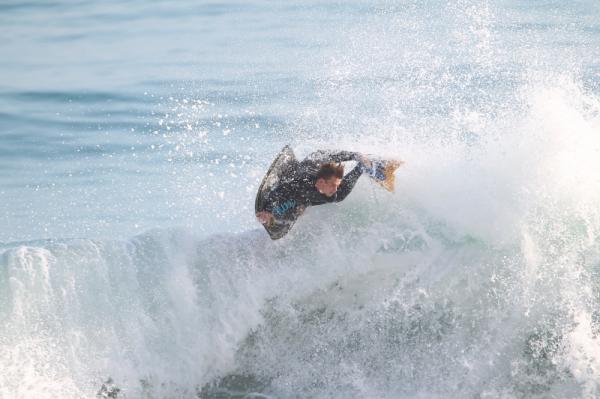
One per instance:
(365,161)
(264,217)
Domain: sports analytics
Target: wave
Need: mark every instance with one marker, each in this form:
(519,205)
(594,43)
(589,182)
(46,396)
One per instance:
(374,297)
(479,278)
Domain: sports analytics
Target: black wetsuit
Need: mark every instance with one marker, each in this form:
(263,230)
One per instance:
(297,190)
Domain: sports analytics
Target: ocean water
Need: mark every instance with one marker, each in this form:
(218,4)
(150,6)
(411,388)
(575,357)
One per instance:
(133,137)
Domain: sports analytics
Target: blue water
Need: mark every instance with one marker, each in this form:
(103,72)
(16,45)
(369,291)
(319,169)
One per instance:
(133,137)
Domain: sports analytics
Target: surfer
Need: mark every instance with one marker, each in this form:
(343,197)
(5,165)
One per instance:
(318,179)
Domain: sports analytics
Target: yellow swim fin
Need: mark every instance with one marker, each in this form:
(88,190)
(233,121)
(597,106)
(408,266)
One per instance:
(385,173)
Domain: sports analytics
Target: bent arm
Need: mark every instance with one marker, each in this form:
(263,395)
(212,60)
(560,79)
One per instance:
(282,202)
(322,156)
(348,183)
(269,201)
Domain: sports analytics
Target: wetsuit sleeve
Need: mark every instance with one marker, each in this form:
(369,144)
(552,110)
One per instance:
(270,200)
(348,183)
(327,156)
(268,206)
(283,193)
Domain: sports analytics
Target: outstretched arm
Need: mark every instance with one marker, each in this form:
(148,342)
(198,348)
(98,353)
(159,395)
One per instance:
(322,156)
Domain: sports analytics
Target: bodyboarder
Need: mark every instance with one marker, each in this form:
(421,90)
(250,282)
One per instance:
(318,179)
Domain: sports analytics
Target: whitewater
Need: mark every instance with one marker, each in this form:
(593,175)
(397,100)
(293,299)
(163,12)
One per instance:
(131,265)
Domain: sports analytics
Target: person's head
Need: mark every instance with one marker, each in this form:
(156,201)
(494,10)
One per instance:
(329,178)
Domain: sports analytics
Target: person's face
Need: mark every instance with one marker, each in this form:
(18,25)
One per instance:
(328,187)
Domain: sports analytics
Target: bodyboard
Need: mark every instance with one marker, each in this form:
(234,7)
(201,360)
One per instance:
(275,174)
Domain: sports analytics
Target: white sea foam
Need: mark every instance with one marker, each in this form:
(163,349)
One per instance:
(478,277)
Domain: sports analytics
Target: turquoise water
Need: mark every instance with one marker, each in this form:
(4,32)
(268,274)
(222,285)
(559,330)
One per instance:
(133,137)
(97,100)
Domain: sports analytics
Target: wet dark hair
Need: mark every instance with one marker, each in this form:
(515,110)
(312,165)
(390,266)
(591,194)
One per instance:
(330,170)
